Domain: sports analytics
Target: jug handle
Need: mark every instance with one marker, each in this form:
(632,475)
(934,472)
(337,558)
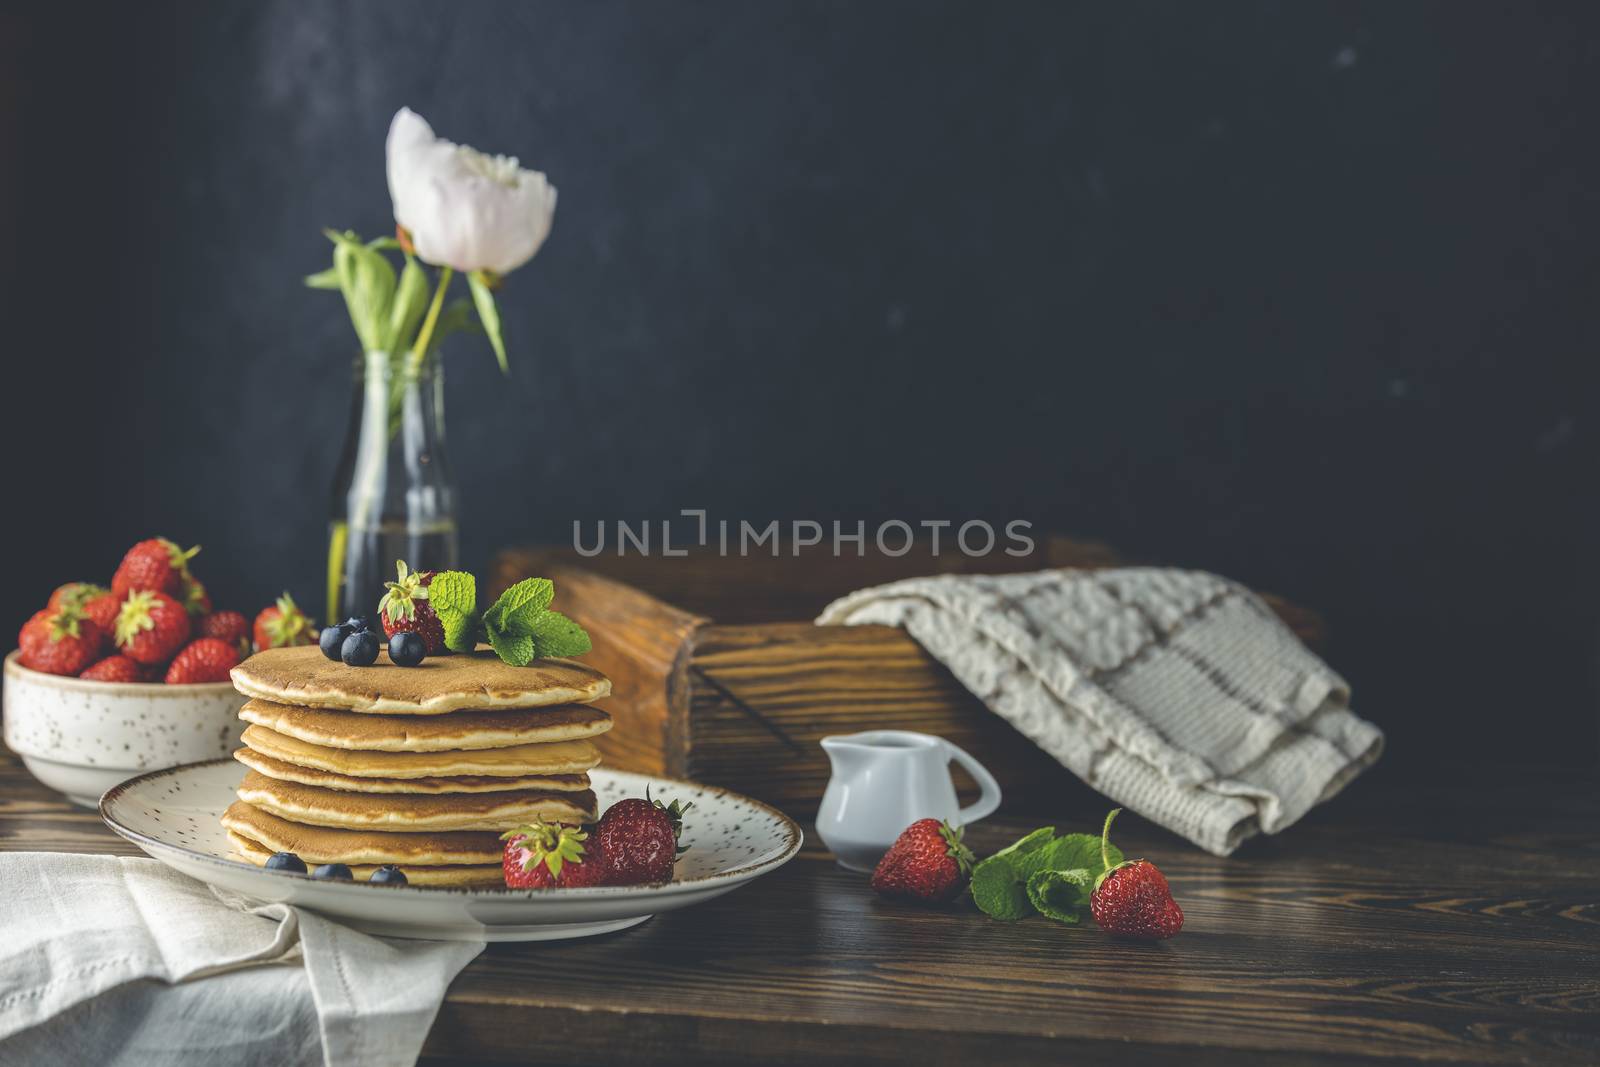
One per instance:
(989,789)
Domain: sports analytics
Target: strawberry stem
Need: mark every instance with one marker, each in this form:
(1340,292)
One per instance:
(1105,840)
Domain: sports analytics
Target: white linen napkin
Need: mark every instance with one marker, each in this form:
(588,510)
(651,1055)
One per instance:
(112,959)
(1178,694)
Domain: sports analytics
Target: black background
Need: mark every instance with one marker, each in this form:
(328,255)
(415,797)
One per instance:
(1300,293)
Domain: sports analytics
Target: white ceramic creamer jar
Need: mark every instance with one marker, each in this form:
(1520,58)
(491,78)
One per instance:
(885,780)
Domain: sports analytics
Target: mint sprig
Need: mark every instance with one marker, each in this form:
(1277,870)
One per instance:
(1041,873)
(519,626)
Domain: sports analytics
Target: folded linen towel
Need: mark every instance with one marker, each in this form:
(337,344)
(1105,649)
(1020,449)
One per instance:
(1176,693)
(155,968)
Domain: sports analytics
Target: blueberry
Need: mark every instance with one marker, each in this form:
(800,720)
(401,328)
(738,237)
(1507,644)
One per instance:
(332,640)
(333,872)
(388,874)
(407,649)
(360,650)
(286,861)
(355,624)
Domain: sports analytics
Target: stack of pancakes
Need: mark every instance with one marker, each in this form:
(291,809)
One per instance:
(422,767)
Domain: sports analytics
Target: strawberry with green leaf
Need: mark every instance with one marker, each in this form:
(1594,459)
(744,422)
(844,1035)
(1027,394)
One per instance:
(283,625)
(545,855)
(406,608)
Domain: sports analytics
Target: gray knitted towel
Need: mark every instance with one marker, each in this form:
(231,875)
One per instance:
(1176,693)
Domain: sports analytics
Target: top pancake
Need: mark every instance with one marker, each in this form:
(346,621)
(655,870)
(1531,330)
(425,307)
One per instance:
(304,676)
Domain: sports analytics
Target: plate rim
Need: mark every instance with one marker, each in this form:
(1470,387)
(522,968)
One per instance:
(794,839)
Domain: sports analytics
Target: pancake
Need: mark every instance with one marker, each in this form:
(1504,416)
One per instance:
(258,854)
(517,761)
(323,844)
(290,772)
(411,812)
(428,733)
(304,676)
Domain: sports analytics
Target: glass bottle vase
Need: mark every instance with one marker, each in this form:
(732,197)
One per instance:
(393,497)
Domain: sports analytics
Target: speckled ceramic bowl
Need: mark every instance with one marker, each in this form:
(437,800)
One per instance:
(82,737)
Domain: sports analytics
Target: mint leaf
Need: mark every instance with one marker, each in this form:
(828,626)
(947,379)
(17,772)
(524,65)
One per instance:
(1079,850)
(454,598)
(516,650)
(556,635)
(997,892)
(1061,895)
(518,606)
(1029,842)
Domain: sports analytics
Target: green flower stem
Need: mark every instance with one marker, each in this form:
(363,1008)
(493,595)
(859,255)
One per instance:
(419,351)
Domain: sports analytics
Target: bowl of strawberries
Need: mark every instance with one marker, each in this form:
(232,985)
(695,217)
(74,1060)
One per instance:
(110,681)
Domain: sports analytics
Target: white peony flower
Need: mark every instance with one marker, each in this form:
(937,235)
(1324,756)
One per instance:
(461,208)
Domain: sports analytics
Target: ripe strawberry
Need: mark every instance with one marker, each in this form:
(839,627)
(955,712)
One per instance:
(151,627)
(63,641)
(118,668)
(156,564)
(74,595)
(1132,899)
(283,625)
(194,596)
(926,862)
(639,839)
(547,856)
(207,659)
(405,608)
(229,626)
(103,610)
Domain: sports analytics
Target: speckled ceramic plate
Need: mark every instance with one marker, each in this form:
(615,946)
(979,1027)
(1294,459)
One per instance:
(172,815)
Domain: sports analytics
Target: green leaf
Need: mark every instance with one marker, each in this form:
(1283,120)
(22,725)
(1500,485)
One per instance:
(519,605)
(324,279)
(556,635)
(368,282)
(997,892)
(454,597)
(1071,851)
(1029,842)
(384,244)
(1062,895)
(410,302)
(483,297)
(515,649)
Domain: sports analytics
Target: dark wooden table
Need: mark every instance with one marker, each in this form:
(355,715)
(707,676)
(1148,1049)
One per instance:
(1449,923)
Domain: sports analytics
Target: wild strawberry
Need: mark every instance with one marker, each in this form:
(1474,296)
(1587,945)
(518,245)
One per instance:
(156,564)
(74,595)
(926,862)
(194,597)
(547,856)
(283,625)
(63,641)
(1133,899)
(229,626)
(118,668)
(103,610)
(151,627)
(208,659)
(639,839)
(405,608)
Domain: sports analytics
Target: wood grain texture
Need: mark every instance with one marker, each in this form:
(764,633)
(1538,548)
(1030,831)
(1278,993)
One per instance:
(1452,924)
(763,697)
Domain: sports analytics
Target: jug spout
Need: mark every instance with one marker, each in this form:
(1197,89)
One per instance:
(846,754)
